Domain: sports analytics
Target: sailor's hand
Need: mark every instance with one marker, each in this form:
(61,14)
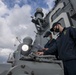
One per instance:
(39,53)
(45,49)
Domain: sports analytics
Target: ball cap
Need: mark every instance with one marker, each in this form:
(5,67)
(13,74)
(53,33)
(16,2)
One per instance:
(54,24)
(47,34)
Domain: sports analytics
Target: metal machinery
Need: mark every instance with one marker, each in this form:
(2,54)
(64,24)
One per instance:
(24,61)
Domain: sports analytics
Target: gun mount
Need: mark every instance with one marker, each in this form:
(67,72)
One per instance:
(26,62)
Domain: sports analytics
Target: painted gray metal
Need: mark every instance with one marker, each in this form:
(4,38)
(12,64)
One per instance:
(37,68)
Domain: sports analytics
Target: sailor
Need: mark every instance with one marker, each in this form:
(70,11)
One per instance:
(50,42)
(66,47)
(50,39)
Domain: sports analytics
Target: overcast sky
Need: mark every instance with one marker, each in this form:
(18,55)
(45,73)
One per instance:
(15,21)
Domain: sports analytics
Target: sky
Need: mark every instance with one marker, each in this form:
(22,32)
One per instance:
(15,21)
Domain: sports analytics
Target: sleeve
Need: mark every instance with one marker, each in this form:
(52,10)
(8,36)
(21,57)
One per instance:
(51,50)
(73,33)
(46,45)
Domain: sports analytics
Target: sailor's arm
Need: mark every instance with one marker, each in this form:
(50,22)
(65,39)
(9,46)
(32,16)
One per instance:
(50,50)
